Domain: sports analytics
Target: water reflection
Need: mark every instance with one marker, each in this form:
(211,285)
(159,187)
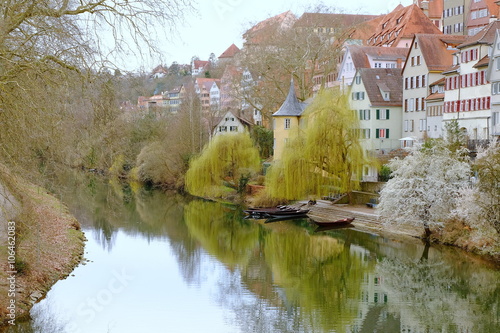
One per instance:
(246,276)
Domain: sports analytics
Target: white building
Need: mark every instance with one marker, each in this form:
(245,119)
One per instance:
(467,90)
(376,96)
(429,56)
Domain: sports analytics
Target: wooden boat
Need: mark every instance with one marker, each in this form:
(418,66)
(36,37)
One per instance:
(332,227)
(289,213)
(284,218)
(261,213)
(340,222)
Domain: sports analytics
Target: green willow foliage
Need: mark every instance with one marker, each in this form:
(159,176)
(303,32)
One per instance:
(227,158)
(324,157)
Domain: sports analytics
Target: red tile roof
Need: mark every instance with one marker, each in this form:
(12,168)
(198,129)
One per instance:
(402,22)
(483,62)
(435,96)
(485,36)
(230,52)
(360,59)
(264,30)
(331,20)
(437,50)
(200,63)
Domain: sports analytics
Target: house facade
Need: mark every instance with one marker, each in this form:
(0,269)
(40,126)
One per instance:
(455,14)
(479,15)
(434,109)
(493,75)
(376,97)
(208,92)
(429,56)
(467,89)
(230,123)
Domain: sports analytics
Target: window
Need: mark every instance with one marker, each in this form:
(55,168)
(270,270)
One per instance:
(358,79)
(382,133)
(495,88)
(365,133)
(383,114)
(233,128)
(406,126)
(222,128)
(496,118)
(287,123)
(364,114)
(422,125)
(360,95)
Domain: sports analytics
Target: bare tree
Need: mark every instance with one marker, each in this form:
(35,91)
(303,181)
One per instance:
(53,60)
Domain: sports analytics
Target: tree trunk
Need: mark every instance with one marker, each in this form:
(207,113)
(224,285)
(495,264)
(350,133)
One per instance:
(428,232)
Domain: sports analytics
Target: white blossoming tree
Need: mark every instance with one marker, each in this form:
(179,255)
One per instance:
(424,186)
(480,203)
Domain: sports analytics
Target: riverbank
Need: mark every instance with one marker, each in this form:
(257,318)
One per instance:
(367,219)
(40,243)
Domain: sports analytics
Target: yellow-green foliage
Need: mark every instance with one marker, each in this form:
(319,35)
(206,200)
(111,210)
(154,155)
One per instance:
(324,157)
(116,168)
(226,158)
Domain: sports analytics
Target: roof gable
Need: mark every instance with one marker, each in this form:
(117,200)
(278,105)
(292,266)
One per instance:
(437,50)
(230,52)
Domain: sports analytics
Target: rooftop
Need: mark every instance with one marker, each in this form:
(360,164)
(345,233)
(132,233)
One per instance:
(291,106)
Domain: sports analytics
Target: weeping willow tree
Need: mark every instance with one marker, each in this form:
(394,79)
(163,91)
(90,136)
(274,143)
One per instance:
(324,157)
(227,160)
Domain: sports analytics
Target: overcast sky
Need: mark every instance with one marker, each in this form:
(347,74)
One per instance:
(219,23)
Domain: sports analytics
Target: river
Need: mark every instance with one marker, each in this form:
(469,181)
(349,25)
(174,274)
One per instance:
(161,262)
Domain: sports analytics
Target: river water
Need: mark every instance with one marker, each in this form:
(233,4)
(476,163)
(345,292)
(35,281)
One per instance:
(159,262)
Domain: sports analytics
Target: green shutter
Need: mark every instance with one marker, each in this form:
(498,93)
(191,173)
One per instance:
(378,114)
(387,114)
(377,133)
(360,114)
(387,133)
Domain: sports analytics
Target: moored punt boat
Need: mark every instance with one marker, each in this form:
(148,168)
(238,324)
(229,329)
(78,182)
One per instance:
(298,212)
(260,213)
(340,222)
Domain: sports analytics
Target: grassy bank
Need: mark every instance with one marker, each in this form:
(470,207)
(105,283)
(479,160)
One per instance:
(48,245)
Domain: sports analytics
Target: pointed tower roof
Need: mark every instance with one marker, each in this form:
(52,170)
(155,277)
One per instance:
(291,106)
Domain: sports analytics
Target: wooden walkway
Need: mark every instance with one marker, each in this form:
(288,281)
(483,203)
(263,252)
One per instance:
(366,219)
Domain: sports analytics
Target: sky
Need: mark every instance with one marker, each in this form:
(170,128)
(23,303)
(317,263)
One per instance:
(220,23)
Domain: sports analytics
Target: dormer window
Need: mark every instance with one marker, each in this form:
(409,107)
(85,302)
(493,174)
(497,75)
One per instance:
(387,96)
(399,19)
